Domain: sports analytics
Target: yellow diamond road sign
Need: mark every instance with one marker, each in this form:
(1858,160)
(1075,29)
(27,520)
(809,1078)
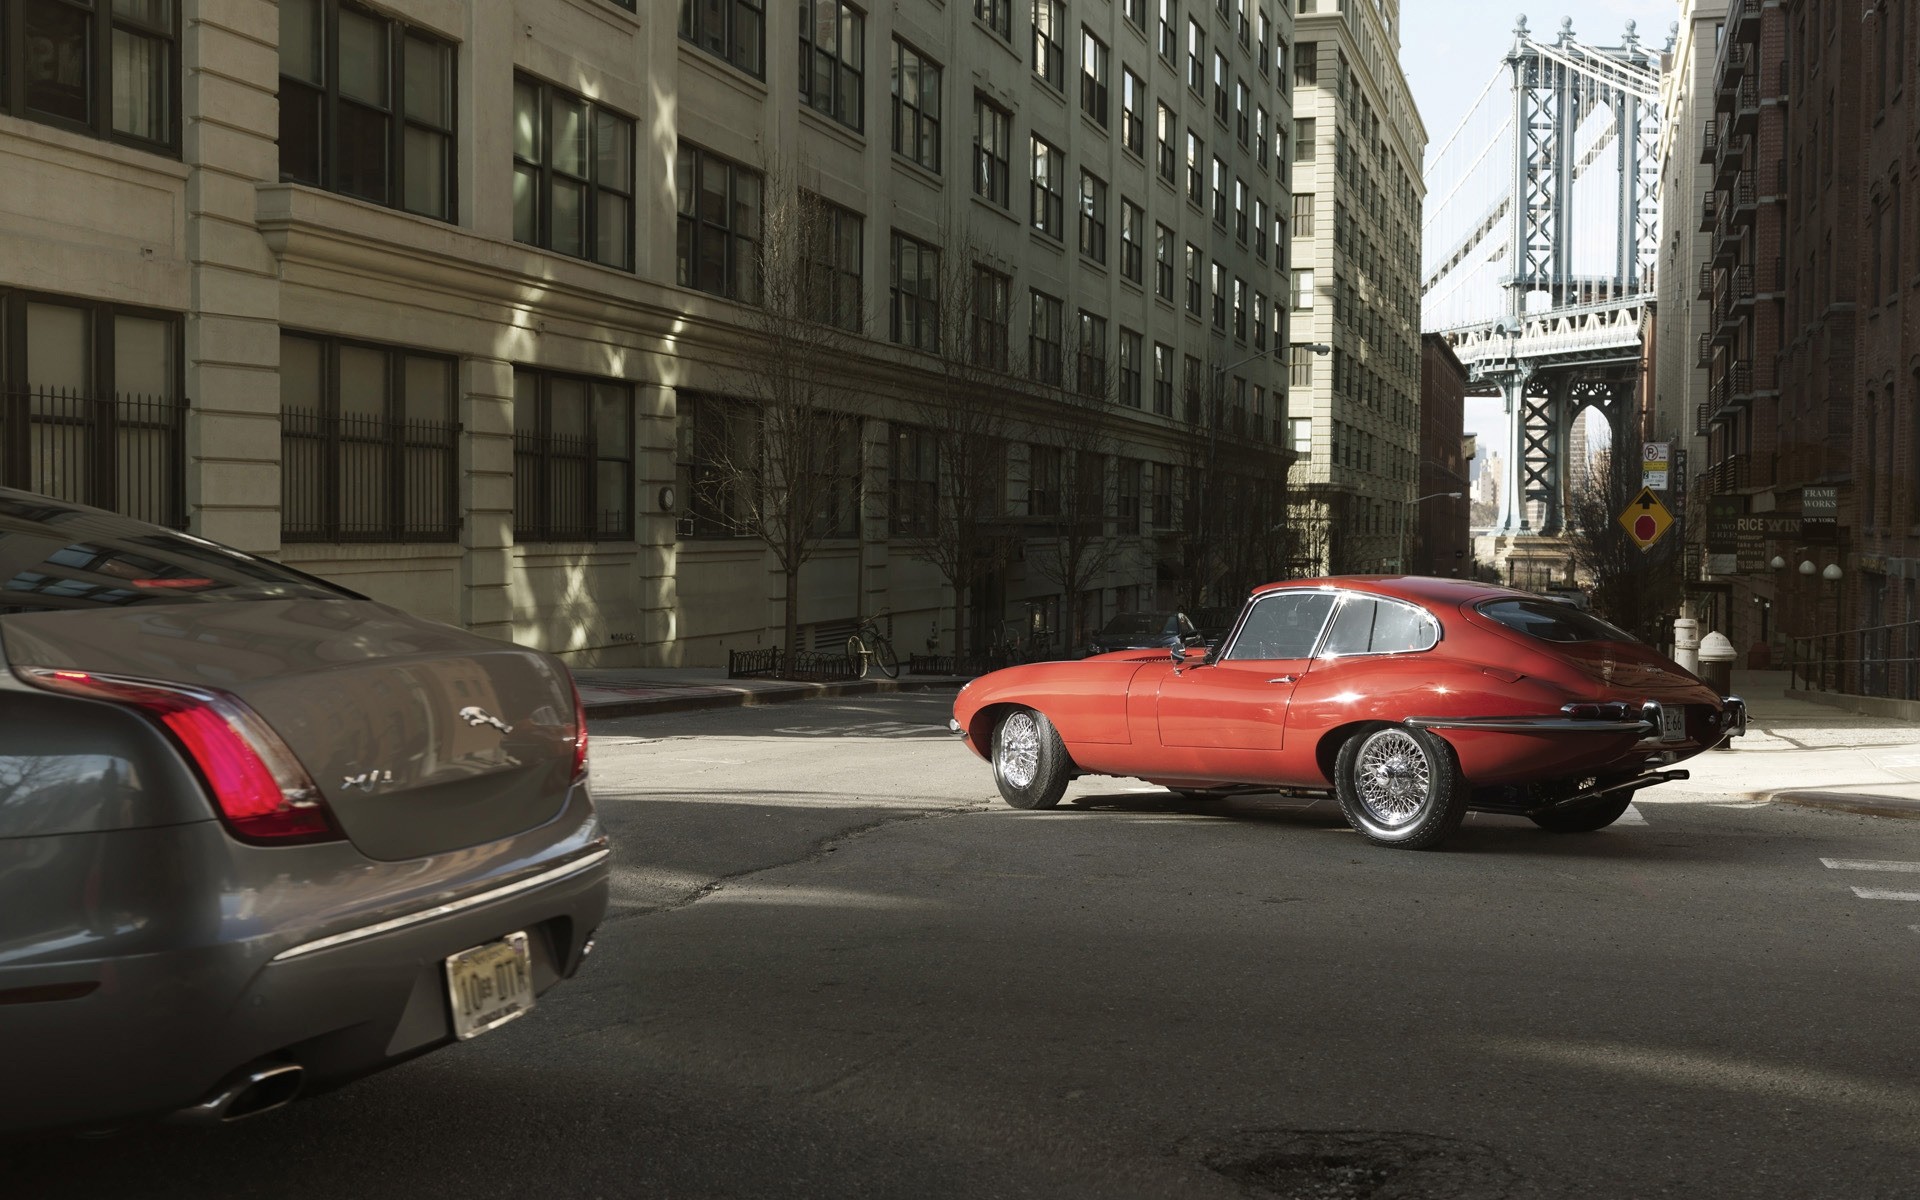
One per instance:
(1646,520)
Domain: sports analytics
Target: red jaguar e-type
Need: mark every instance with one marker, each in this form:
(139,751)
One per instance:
(1412,699)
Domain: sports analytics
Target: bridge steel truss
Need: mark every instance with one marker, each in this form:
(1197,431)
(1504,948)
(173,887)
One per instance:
(1543,281)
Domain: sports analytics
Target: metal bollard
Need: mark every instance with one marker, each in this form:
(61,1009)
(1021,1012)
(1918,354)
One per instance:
(1686,642)
(1716,669)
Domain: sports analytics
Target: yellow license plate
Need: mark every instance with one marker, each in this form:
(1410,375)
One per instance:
(490,985)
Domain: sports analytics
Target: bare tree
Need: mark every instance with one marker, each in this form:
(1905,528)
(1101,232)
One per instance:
(1633,588)
(1236,521)
(782,462)
(1072,450)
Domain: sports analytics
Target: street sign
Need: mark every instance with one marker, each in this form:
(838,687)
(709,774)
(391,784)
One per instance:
(1653,465)
(1646,519)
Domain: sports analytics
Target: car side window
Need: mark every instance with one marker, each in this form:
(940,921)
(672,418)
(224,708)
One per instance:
(1370,625)
(1283,625)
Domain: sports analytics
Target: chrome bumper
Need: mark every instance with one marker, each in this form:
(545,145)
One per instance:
(1530,724)
(1733,719)
(956,728)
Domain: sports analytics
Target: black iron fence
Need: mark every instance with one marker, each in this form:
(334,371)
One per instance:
(120,452)
(765,663)
(364,477)
(1875,660)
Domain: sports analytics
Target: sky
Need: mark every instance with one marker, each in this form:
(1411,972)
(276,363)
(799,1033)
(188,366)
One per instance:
(1450,48)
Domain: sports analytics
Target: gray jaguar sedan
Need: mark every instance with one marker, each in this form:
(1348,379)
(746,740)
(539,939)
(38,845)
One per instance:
(258,834)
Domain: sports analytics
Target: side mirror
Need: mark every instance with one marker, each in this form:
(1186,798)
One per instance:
(1178,654)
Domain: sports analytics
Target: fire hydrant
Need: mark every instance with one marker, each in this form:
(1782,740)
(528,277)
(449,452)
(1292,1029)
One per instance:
(1716,669)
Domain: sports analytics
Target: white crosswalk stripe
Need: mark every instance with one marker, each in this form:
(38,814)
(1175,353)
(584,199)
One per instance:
(1631,817)
(1884,894)
(1869,864)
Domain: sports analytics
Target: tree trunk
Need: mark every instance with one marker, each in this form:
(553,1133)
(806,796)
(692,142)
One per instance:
(792,652)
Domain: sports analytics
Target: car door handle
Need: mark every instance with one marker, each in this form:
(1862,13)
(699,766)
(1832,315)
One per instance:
(1283,679)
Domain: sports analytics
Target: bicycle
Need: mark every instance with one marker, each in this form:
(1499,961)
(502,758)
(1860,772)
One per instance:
(868,644)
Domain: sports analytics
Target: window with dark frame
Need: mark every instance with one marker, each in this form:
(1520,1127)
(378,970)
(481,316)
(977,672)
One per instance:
(1163,241)
(1133,231)
(717,245)
(1304,146)
(1162,495)
(1219,281)
(1196,58)
(367,108)
(1126,486)
(1045,337)
(109,71)
(1090,365)
(733,31)
(1306,64)
(992,151)
(92,408)
(1167,39)
(1094,74)
(916,107)
(1219,193)
(1093,216)
(1166,130)
(832,261)
(996,15)
(572,174)
(1133,118)
(1135,11)
(833,60)
(1196,168)
(1162,379)
(913,485)
(573,457)
(1132,346)
(1196,269)
(1049,58)
(1044,471)
(992,313)
(369,444)
(711,433)
(913,283)
(1221,94)
(1048,194)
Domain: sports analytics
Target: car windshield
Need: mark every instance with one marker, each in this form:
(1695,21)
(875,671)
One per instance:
(1133,624)
(57,556)
(1552,621)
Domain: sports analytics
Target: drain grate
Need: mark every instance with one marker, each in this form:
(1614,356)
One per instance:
(1354,1164)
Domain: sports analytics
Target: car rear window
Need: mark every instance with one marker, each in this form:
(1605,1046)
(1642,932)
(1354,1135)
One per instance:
(1552,621)
(1367,625)
(58,556)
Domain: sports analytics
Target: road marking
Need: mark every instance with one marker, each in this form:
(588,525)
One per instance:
(1631,817)
(1884,894)
(1869,864)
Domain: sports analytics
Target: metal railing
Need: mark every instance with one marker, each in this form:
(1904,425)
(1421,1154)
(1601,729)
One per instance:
(363,477)
(807,664)
(120,452)
(1874,660)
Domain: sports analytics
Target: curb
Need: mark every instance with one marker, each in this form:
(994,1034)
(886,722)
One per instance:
(1848,802)
(755,697)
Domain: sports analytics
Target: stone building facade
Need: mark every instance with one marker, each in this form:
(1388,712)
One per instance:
(423,296)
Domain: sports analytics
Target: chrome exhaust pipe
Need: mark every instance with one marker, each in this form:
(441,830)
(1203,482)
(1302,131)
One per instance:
(1634,784)
(256,1090)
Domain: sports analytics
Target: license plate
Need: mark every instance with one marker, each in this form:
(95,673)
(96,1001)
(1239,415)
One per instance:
(1673,723)
(490,985)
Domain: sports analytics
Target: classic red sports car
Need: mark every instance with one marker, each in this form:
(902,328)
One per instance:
(1412,699)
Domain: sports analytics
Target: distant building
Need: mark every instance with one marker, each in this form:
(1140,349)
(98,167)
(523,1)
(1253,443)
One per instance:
(1441,543)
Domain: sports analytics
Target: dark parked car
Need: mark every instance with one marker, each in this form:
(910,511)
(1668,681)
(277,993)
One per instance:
(259,834)
(1145,631)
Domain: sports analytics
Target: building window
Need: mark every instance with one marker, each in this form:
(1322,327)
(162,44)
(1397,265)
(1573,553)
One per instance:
(1219,296)
(992,147)
(1241,118)
(996,15)
(372,120)
(1219,193)
(916,106)
(1090,369)
(1260,136)
(1303,214)
(1306,64)
(1094,74)
(1240,209)
(1260,228)
(833,60)
(1196,169)
(832,259)
(1132,345)
(719,225)
(1166,40)
(572,458)
(367,443)
(1093,216)
(1165,131)
(733,31)
(1163,262)
(1049,189)
(713,436)
(913,486)
(1302,290)
(91,407)
(106,70)
(914,292)
(1126,486)
(1043,481)
(1133,225)
(1196,58)
(1195,268)
(572,175)
(1133,104)
(1220,92)
(1162,495)
(1259,321)
(1300,436)
(1044,337)
(1162,379)
(1265,43)
(992,304)
(1049,63)
(1303,144)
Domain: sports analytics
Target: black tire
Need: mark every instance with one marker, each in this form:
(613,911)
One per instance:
(884,655)
(1400,787)
(857,655)
(1580,818)
(1030,764)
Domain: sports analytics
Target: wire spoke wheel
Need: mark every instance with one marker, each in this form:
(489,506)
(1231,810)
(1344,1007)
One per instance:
(1394,778)
(1400,786)
(857,656)
(1018,756)
(888,660)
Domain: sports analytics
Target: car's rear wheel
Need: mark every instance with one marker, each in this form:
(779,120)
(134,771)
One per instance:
(1030,762)
(1400,787)
(1579,818)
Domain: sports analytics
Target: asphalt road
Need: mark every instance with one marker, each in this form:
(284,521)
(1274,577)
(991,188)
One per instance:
(837,969)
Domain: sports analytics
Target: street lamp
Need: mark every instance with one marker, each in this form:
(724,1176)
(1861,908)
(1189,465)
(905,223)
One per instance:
(1406,522)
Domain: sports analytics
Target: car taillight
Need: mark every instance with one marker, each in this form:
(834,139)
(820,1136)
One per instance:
(579,736)
(262,791)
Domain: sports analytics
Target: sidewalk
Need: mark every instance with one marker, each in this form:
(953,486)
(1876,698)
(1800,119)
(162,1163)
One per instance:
(645,691)
(1800,752)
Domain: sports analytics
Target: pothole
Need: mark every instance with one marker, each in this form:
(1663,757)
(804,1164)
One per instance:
(1353,1164)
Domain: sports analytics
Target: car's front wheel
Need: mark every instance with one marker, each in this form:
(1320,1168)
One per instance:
(1400,787)
(1030,762)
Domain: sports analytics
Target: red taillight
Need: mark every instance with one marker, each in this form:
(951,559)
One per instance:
(262,790)
(579,736)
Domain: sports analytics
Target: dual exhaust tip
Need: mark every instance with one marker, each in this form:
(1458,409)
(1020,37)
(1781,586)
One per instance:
(255,1090)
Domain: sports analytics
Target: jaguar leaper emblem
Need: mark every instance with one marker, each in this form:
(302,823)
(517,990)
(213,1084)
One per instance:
(475,715)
